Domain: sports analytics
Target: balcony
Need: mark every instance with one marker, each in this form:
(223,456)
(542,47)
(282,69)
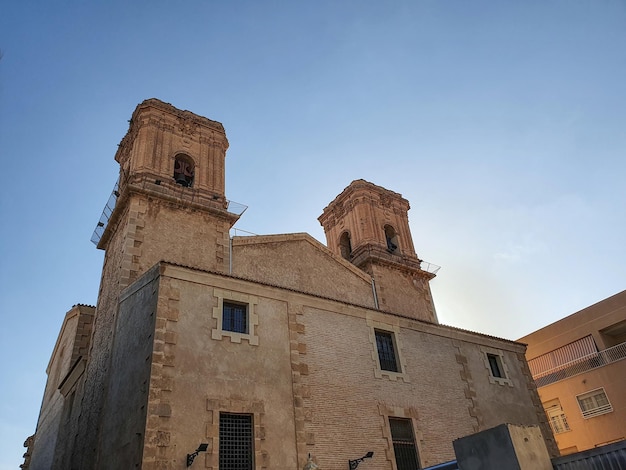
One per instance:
(580,365)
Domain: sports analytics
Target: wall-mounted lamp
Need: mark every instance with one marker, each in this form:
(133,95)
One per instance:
(355,463)
(190,457)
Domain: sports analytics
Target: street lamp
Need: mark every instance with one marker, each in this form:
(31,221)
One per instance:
(190,457)
(355,463)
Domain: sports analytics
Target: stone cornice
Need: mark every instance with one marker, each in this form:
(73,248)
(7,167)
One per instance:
(168,192)
(188,124)
(375,255)
(358,192)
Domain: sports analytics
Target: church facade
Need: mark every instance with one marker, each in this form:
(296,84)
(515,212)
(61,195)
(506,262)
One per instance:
(262,352)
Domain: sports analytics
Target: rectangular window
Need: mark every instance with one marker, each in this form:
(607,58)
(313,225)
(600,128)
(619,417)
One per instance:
(235,317)
(495,365)
(556,416)
(236,442)
(594,403)
(386,351)
(404,444)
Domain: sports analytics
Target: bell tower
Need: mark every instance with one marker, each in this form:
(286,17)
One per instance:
(369,226)
(168,205)
(170,199)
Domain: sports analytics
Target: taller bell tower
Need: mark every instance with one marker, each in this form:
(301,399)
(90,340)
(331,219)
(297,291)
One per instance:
(170,199)
(369,226)
(169,205)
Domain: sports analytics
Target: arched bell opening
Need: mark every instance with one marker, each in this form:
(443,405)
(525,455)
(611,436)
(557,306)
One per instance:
(392,239)
(184,170)
(345,246)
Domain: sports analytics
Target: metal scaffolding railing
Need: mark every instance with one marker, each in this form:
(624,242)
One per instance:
(106,214)
(580,365)
(231,206)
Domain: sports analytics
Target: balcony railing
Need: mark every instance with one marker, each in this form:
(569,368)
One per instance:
(583,364)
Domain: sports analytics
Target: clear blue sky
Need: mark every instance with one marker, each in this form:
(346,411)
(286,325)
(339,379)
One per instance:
(503,123)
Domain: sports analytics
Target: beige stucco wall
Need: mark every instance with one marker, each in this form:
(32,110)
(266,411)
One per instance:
(197,374)
(606,315)
(72,343)
(598,430)
(52,404)
(588,321)
(298,261)
(403,291)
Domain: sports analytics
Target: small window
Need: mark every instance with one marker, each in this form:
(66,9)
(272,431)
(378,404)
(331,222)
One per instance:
(495,366)
(403,441)
(235,317)
(345,246)
(594,403)
(236,442)
(392,239)
(386,351)
(184,170)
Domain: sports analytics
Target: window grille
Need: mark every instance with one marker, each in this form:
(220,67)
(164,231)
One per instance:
(236,442)
(558,420)
(594,403)
(404,444)
(559,423)
(235,317)
(386,351)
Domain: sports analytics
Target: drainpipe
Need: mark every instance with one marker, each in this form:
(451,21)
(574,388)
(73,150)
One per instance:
(230,255)
(374,292)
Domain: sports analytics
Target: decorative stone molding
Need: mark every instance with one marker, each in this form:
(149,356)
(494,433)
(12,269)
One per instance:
(389,411)
(235,404)
(468,390)
(505,368)
(157,450)
(218,333)
(395,330)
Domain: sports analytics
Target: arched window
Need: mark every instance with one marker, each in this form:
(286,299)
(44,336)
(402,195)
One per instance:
(184,169)
(345,246)
(392,239)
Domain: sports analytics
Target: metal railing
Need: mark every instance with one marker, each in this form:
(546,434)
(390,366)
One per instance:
(429,267)
(580,365)
(231,206)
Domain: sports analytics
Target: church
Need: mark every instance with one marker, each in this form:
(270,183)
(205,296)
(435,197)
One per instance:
(212,351)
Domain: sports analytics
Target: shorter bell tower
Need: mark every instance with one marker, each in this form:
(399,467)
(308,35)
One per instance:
(369,226)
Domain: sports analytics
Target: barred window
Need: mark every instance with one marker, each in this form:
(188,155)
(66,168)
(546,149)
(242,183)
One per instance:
(403,441)
(386,351)
(558,420)
(235,317)
(236,442)
(594,403)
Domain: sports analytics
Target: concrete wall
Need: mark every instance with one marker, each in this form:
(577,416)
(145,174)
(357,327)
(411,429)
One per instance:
(505,446)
